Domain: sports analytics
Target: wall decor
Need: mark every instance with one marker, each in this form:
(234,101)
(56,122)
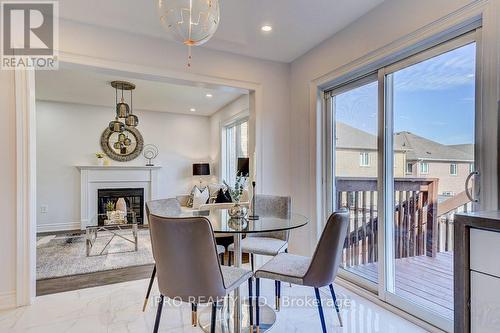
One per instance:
(122,141)
(150,153)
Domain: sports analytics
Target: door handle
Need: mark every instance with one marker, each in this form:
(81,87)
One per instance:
(467,181)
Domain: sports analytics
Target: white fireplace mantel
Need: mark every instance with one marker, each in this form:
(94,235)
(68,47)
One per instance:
(93,178)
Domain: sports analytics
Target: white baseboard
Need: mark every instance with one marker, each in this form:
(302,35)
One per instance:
(7,300)
(49,227)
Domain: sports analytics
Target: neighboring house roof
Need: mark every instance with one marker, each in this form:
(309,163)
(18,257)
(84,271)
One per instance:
(417,148)
(466,148)
(349,137)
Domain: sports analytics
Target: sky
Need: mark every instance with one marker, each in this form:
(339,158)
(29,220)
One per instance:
(433,99)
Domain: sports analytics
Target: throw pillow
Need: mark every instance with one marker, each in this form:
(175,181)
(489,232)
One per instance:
(189,202)
(200,197)
(223,196)
(213,190)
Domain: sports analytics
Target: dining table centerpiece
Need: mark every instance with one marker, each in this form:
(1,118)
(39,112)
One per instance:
(235,192)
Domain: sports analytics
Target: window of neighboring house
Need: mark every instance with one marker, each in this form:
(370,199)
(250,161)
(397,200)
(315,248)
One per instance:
(424,168)
(409,168)
(235,145)
(471,167)
(453,169)
(364,159)
(448,193)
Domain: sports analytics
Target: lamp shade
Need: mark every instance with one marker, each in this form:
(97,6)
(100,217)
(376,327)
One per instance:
(201,169)
(243,167)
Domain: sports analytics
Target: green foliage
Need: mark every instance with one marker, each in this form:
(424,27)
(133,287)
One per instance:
(236,191)
(110,206)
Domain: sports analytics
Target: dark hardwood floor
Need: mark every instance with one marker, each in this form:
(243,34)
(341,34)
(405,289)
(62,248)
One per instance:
(81,281)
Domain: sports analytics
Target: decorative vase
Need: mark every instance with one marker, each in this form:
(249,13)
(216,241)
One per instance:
(236,223)
(100,161)
(121,205)
(237,211)
(109,214)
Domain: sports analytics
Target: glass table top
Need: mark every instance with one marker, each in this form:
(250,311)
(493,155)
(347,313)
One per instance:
(115,218)
(223,223)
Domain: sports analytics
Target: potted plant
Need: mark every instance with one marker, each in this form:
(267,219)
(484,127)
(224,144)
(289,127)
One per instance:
(110,207)
(100,159)
(237,211)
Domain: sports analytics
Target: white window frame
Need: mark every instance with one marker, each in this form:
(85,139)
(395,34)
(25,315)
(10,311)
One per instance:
(409,170)
(226,166)
(455,167)
(364,159)
(424,170)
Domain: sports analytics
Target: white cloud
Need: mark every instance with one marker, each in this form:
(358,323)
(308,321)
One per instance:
(445,71)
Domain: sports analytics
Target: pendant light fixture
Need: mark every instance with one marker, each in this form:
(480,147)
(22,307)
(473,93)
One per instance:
(191,22)
(122,109)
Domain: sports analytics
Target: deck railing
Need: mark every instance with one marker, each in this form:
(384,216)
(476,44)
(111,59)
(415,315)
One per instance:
(421,226)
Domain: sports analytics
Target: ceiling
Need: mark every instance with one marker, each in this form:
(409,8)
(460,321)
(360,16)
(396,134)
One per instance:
(87,87)
(298,25)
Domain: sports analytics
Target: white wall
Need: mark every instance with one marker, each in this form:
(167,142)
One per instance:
(7,189)
(68,135)
(392,20)
(234,109)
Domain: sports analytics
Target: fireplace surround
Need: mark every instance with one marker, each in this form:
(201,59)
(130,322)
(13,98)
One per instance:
(95,178)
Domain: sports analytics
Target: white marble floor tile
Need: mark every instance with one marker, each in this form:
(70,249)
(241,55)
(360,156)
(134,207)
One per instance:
(117,308)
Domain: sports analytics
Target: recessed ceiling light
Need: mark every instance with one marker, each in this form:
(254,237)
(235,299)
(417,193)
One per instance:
(209,95)
(192,110)
(266,28)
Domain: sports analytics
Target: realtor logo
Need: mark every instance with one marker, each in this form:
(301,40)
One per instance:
(29,34)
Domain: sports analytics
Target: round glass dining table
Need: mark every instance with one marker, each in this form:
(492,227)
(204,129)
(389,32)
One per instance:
(235,316)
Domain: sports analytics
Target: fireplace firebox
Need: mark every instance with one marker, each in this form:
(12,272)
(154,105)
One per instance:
(134,198)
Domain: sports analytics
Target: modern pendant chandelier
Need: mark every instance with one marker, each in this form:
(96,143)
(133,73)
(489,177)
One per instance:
(123,110)
(192,22)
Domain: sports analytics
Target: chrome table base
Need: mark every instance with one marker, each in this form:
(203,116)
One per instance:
(225,321)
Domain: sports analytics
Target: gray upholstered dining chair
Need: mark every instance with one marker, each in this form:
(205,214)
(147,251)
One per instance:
(188,266)
(167,207)
(269,244)
(316,272)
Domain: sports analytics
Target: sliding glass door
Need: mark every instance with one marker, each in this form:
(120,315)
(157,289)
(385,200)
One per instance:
(352,112)
(401,156)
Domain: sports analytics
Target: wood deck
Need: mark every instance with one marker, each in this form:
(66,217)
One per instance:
(423,280)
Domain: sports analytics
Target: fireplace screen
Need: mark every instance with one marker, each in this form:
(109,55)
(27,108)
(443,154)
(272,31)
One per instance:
(134,199)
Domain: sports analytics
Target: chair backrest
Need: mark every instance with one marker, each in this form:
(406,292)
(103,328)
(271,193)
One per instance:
(187,264)
(326,259)
(273,206)
(164,207)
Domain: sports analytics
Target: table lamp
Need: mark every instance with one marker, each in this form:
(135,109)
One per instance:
(201,169)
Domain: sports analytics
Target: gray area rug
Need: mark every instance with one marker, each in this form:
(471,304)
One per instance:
(65,255)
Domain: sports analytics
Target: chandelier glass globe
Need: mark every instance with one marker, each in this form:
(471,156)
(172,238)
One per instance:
(191,22)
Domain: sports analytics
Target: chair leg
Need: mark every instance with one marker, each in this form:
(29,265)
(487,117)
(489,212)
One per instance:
(229,255)
(250,303)
(149,288)
(194,314)
(277,294)
(252,262)
(158,315)
(221,259)
(290,285)
(214,316)
(257,311)
(336,305)
(320,310)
